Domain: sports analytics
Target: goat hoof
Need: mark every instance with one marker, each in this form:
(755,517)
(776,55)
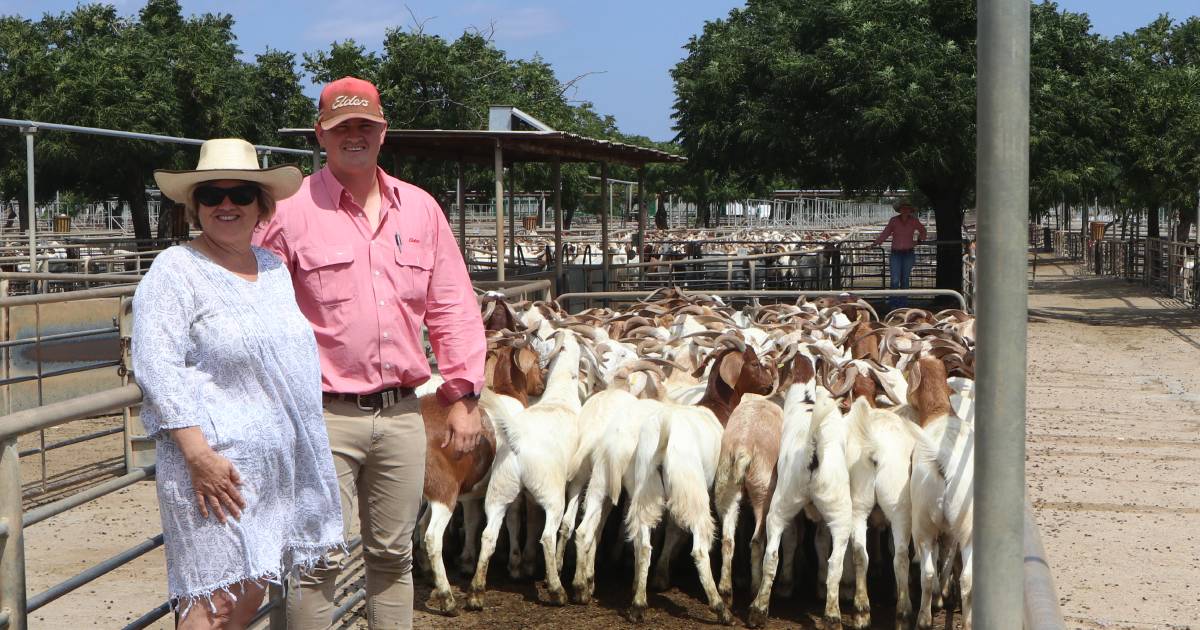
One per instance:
(474,601)
(724,615)
(832,623)
(904,619)
(581,596)
(557,597)
(443,603)
(757,618)
(860,620)
(637,614)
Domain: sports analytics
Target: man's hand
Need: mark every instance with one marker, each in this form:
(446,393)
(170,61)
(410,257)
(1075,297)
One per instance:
(463,426)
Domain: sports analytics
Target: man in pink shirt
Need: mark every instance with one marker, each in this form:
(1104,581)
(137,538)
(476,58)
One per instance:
(906,231)
(372,259)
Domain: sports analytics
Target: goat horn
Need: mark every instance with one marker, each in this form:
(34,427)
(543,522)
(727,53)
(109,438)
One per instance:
(729,338)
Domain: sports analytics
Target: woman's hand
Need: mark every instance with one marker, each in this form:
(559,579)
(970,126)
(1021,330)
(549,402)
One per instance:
(215,480)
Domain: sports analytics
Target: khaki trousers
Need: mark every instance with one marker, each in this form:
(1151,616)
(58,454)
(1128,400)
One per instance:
(380,463)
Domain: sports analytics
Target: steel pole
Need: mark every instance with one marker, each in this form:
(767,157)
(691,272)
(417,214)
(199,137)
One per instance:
(605,193)
(1003,210)
(641,255)
(29,188)
(12,538)
(460,194)
(556,175)
(499,166)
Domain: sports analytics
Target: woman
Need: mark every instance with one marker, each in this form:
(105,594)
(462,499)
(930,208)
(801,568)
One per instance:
(246,485)
(906,232)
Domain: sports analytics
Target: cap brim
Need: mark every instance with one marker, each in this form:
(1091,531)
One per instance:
(280,181)
(335,120)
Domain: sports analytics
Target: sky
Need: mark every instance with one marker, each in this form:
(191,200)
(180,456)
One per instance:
(626,48)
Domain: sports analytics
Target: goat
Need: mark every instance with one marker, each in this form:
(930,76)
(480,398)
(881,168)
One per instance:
(813,476)
(448,480)
(674,466)
(942,486)
(538,445)
(749,452)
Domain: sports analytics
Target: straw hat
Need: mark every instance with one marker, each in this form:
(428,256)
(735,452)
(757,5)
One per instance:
(229,158)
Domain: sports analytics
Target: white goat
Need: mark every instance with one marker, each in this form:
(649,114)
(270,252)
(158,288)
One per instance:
(942,488)
(538,446)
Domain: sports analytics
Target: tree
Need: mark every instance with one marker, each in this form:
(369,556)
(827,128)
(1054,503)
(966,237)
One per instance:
(159,73)
(865,95)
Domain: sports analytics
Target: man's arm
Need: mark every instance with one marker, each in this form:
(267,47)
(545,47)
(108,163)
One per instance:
(456,333)
(921,231)
(887,231)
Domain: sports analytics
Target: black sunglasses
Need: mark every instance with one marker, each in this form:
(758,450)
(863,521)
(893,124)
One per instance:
(242,195)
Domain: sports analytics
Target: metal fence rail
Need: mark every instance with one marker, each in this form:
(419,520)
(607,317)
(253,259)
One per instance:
(1167,267)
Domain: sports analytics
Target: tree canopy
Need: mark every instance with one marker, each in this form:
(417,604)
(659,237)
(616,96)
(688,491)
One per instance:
(877,95)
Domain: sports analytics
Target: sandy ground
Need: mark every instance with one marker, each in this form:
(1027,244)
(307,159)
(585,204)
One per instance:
(1113,472)
(1112,460)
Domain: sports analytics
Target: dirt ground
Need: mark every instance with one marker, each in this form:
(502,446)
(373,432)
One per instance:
(1112,465)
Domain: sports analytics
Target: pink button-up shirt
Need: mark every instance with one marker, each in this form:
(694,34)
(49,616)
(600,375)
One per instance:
(902,233)
(366,295)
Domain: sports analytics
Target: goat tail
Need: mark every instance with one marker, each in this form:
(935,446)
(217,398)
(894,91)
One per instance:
(506,429)
(686,487)
(731,474)
(646,496)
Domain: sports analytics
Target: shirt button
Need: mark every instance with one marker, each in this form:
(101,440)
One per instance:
(377,272)
(361,214)
(385,335)
(381,302)
(387,366)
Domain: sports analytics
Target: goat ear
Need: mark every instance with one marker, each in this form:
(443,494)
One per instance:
(914,380)
(731,368)
(525,359)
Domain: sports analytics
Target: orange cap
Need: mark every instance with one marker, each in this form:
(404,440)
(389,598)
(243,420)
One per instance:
(347,98)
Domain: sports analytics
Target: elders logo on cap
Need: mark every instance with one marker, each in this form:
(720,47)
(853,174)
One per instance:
(348,98)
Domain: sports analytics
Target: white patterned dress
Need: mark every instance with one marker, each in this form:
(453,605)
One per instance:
(237,359)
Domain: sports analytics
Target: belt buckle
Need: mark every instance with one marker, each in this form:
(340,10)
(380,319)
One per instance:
(387,398)
(358,402)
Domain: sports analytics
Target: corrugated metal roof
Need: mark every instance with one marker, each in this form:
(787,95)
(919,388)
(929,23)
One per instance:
(518,146)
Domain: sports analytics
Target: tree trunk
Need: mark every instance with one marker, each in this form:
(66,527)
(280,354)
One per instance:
(134,194)
(1183,229)
(1152,222)
(660,212)
(948,215)
(22,213)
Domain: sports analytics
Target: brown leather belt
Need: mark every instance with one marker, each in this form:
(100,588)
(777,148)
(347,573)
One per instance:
(376,401)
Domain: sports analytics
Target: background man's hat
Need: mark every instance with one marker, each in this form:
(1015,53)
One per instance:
(229,158)
(347,98)
(900,204)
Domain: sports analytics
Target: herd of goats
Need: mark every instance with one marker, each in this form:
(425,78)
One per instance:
(686,407)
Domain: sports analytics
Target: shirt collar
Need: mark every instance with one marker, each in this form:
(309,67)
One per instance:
(390,192)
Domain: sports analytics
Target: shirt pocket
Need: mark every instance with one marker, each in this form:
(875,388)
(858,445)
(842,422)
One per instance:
(327,274)
(415,267)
